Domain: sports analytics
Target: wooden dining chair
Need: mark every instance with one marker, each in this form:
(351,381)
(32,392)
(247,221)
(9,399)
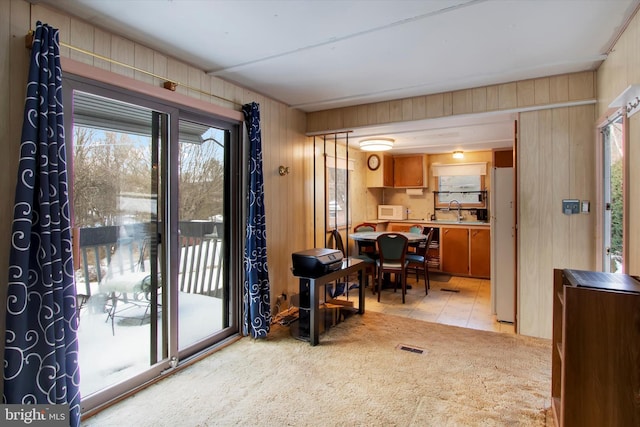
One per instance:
(366,248)
(417,229)
(419,260)
(365,226)
(343,285)
(392,252)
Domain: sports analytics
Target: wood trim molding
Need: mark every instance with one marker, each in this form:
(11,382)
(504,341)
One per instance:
(84,70)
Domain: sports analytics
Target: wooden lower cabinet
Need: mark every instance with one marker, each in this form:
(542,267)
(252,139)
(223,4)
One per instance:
(400,227)
(480,252)
(458,250)
(595,362)
(454,243)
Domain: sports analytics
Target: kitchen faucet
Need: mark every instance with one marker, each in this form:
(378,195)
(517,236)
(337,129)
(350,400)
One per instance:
(459,209)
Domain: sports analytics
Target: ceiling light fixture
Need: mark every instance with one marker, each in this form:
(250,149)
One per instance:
(458,155)
(376,144)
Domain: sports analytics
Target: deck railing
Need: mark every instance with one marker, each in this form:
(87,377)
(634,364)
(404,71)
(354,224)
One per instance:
(119,249)
(201,258)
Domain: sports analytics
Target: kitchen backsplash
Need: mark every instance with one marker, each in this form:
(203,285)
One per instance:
(421,206)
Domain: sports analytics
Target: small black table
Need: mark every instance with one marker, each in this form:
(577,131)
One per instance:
(349,267)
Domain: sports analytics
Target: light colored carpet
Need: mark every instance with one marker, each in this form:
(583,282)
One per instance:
(355,376)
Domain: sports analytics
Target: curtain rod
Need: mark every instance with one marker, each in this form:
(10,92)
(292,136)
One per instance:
(168,84)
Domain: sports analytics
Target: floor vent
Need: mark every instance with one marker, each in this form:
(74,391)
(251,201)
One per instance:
(449,290)
(410,349)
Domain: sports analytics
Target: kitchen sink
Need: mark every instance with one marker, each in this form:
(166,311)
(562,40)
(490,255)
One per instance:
(442,221)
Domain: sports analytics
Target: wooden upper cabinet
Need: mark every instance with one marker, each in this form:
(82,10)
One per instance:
(387,171)
(503,158)
(383,175)
(410,171)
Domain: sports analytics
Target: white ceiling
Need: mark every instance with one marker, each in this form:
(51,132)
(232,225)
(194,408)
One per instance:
(321,54)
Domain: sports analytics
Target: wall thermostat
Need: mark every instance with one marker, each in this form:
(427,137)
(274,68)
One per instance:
(570,206)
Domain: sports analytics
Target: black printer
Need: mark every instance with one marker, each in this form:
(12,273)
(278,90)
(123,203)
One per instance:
(316,262)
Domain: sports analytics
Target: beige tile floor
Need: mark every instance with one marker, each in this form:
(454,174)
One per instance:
(469,308)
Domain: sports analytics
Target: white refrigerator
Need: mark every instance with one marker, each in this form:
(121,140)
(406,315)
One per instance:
(502,212)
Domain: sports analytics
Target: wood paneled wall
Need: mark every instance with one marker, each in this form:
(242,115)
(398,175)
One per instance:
(508,96)
(556,160)
(620,70)
(283,128)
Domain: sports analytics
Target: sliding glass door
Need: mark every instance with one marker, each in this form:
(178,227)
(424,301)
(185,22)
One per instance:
(156,206)
(116,212)
(203,294)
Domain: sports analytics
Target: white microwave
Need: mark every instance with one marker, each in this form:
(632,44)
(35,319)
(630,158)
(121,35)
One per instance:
(392,212)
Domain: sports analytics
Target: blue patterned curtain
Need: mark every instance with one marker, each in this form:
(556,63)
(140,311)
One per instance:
(41,347)
(257,305)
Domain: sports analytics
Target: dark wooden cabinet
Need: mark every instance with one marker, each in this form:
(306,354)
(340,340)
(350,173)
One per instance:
(595,363)
(454,244)
(503,158)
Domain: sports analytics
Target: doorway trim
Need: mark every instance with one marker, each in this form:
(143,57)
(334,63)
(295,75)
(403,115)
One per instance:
(608,117)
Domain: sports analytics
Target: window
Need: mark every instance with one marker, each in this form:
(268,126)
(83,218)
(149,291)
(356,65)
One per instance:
(463,183)
(337,201)
(338,179)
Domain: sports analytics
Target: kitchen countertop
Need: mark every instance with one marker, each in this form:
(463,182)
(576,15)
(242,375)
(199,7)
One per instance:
(434,223)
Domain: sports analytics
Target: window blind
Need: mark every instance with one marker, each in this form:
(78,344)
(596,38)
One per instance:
(457,169)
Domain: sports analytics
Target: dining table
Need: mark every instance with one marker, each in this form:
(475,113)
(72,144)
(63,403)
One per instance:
(372,236)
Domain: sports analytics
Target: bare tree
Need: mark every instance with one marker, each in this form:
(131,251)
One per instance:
(105,165)
(110,166)
(201,180)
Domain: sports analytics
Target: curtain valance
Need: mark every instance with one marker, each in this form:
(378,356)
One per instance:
(458,169)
